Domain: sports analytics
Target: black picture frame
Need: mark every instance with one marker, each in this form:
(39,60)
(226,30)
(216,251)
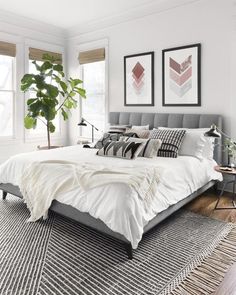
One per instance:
(151,97)
(198,75)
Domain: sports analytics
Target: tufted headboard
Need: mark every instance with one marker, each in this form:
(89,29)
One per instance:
(170,120)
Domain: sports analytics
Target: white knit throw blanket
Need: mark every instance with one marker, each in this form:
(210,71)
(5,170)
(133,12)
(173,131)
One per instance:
(42,182)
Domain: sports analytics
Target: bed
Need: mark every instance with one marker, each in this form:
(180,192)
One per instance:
(199,175)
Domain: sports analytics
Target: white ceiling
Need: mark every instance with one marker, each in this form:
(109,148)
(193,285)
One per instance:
(71,13)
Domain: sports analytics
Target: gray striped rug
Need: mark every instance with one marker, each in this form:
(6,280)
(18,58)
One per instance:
(58,256)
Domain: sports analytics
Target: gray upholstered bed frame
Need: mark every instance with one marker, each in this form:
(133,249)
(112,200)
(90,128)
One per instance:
(154,120)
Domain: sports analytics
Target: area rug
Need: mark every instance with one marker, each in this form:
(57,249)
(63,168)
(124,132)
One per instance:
(186,254)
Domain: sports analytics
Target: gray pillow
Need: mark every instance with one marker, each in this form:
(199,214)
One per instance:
(150,148)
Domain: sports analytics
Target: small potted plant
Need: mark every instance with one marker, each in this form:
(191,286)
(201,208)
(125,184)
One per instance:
(53,94)
(230,146)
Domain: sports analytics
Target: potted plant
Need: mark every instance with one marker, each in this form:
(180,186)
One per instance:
(230,146)
(53,94)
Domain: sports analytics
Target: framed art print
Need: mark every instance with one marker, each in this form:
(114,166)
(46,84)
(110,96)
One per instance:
(181,76)
(139,79)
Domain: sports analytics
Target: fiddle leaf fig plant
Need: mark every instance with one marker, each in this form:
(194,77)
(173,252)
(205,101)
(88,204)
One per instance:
(51,94)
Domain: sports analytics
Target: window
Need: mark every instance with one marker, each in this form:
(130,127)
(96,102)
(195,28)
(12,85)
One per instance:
(93,108)
(36,54)
(7,88)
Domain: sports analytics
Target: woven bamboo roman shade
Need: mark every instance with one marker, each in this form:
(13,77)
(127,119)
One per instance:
(37,54)
(86,57)
(7,49)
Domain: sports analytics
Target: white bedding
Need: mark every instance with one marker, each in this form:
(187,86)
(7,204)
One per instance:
(119,208)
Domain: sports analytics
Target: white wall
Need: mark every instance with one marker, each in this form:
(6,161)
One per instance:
(209,22)
(25,33)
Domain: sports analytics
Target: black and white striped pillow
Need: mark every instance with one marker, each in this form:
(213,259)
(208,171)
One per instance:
(121,149)
(171,141)
(118,128)
(107,137)
(150,148)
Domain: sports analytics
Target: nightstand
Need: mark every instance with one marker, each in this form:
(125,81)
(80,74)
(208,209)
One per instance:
(231,172)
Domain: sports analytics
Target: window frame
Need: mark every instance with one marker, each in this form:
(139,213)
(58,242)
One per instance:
(9,138)
(103,43)
(58,135)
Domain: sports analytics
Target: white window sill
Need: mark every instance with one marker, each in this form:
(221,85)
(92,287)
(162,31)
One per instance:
(9,140)
(42,139)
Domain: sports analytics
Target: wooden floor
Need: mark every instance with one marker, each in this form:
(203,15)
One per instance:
(205,205)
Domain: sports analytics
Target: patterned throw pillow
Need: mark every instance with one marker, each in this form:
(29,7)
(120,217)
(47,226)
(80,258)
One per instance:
(150,148)
(141,127)
(121,149)
(118,128)
(107,137)
(141,133)
(171,141)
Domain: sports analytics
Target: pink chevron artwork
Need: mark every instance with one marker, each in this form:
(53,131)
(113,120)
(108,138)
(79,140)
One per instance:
(181,79)
(180,76)
(138,76)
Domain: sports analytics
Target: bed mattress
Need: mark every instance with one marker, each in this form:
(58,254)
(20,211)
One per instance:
(115,204)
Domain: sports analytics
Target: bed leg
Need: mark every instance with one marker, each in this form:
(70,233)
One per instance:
(215,188)
(4,195)
(129,250)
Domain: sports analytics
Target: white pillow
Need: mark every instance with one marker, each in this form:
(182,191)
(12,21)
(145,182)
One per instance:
(145,127)
(193,143)
(208,150)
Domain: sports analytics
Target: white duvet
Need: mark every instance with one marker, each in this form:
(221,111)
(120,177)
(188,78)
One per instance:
(115,204)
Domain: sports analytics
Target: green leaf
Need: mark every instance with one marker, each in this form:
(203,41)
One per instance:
(52,90)
(62,74)
(49,113)
(48,57)
(27,78)
(77,81)
(40,81)
(27,81)
(56,78)
(50,102)
(52,128)
(37,66)
(49,74)
(30,122)
(82,92)
(35,107)
(75,103)
(31,100)
(63,86)
(68,104)
(64,114)
(46,66)
(58,68)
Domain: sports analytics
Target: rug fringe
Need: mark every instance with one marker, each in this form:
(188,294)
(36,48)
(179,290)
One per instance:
(209,269)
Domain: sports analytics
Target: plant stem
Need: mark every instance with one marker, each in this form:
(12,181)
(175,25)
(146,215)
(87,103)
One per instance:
(48,135)
(42,121)
(62,104)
